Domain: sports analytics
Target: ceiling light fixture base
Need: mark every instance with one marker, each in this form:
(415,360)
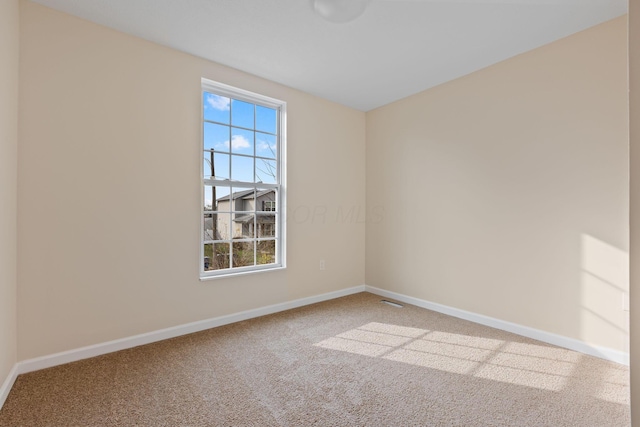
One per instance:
(339,11)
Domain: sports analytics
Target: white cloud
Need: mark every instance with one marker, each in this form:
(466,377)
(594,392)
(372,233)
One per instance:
(238,142)
(218,102)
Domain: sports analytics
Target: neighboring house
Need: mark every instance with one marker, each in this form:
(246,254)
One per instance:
(244,214)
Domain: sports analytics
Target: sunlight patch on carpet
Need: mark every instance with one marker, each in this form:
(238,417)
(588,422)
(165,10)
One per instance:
(542,367)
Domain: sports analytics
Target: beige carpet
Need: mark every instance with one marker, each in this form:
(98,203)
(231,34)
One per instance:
(353,361)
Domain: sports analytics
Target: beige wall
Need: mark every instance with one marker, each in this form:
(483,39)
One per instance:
(521,175)
(634,124)
(109,189)
(9,48)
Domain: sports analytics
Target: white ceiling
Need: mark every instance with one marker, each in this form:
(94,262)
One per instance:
(395,49)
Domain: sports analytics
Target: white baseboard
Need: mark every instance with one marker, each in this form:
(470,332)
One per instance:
(176,331)
(7,384)
(548,337)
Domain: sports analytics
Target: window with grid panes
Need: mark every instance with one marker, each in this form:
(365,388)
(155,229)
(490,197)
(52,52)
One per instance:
(242,181)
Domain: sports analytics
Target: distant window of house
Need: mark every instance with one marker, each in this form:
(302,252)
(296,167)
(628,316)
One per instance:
(242,181)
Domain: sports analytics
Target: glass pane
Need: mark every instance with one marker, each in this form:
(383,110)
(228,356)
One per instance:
(208,255)
(266,225)
(266,119)
(206,166)
(244,200)
(216,108)
(242,141)
(266,253)
(216,137)
(242,114)
(243,254)
(216,256)
(223,226)
(209,227)
(216,198)
(216,226)
(266,171)
(215,165)
(244,226)
(242,168)
(266,145)
(266,200)
(221,166)
(208,198)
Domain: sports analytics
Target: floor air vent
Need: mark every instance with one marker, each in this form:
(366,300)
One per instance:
(391,303)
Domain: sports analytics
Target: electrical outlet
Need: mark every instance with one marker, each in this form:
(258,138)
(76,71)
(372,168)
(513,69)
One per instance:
(322,265)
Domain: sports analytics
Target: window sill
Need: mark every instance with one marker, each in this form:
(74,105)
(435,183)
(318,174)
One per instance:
(206,278)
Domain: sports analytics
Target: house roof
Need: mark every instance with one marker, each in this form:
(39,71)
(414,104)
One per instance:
(236,195)
(246,195)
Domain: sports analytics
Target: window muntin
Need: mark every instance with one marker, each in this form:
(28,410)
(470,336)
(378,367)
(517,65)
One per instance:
(242,181)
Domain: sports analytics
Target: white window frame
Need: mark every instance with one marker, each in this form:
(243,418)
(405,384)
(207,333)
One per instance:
(280,186)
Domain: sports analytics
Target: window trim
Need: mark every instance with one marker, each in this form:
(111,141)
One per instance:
(280,238)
